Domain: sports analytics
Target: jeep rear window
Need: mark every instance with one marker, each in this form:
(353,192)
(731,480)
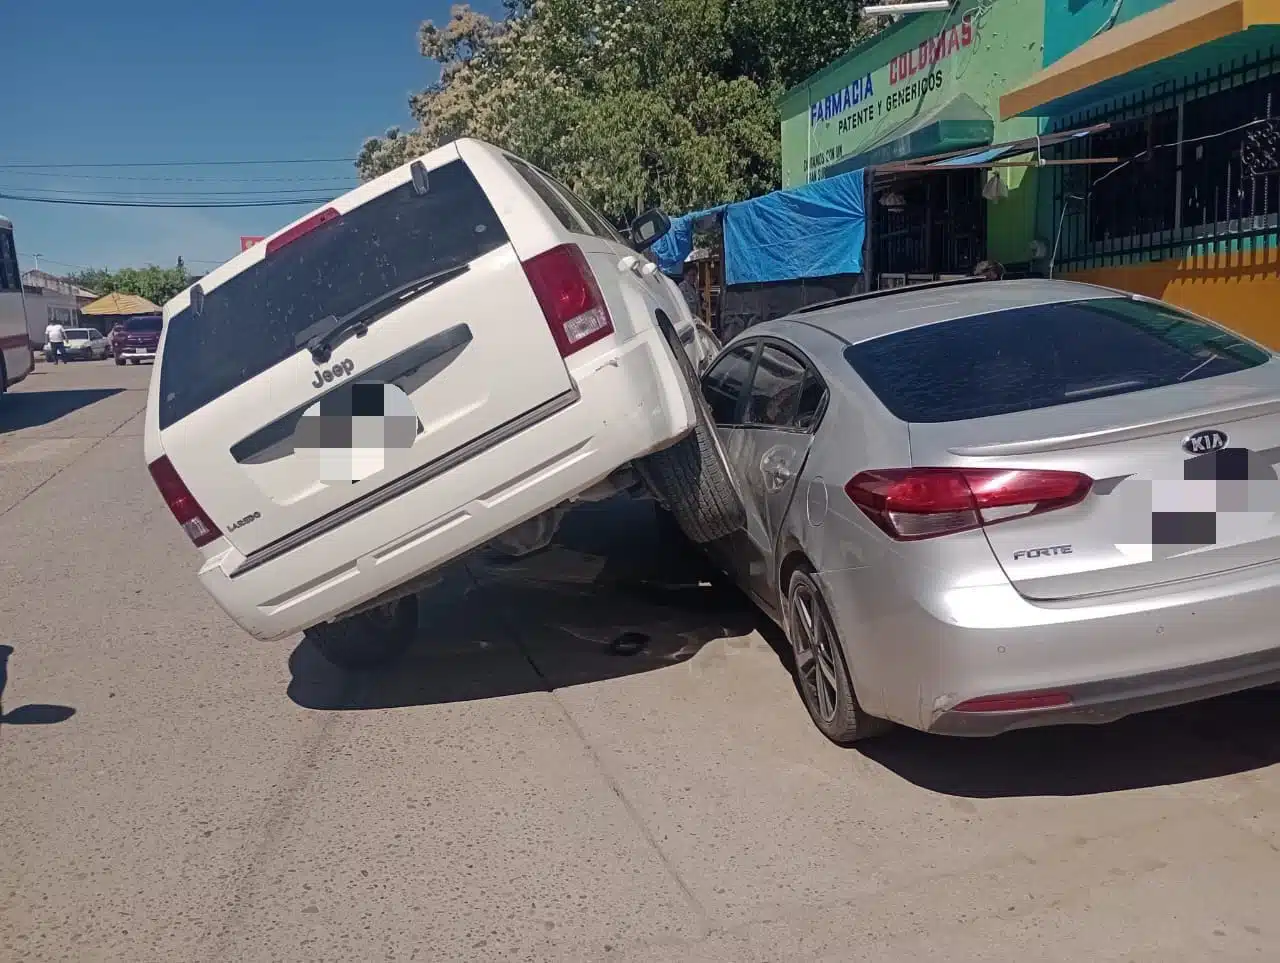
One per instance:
(1043,355)
(251,321)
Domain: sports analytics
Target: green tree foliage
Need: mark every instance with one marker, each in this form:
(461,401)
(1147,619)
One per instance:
(156,284)
(634,103)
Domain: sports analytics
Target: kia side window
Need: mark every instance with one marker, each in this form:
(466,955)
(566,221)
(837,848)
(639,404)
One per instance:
(777,389)
(723,385)
(813,399)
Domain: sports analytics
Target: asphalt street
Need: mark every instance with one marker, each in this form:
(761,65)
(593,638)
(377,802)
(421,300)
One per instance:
(173,790)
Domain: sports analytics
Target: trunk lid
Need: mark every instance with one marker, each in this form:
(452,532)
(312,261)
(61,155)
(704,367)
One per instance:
(1157,513)
(270,440)
(1175,419)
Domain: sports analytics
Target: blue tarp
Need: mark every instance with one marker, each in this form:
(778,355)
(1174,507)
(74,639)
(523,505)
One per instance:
(676,245)
(812,231)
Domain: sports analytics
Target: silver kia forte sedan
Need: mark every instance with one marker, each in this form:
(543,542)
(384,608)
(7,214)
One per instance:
(987,505)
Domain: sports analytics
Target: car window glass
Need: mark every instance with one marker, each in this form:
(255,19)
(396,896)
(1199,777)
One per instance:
(550,196)
(599,226)
(812,396)
(1038,356)
(776,388)
(723,384)
(257,318)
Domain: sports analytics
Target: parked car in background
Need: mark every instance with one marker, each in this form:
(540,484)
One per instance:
(976,507)
(136,339)
(509,351)
(85,344)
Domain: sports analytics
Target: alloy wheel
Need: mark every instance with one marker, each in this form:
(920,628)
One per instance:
(813,641)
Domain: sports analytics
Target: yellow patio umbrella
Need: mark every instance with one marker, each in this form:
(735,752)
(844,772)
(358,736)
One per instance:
(118,304)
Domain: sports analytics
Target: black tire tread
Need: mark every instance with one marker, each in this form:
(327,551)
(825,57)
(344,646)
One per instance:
(690,477)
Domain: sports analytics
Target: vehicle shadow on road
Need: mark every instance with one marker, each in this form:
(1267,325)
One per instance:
(609,598)
(1203,740)
(32,714)
(31,409)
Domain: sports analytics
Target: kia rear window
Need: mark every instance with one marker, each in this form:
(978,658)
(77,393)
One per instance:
(1044,355)
(253,321)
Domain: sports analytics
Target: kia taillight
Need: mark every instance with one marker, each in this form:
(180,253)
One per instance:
(1015,702)
(914,503)
(193,519)
(569,297)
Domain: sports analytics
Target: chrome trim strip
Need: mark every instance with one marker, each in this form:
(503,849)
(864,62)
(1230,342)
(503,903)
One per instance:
(405,483)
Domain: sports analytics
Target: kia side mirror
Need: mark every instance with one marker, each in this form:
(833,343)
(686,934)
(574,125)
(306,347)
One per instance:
(648,228)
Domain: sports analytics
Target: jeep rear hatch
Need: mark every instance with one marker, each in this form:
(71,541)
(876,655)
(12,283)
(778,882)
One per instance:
(1176,421)
(414,280)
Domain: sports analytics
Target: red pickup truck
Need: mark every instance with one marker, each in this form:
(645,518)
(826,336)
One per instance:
(136,339)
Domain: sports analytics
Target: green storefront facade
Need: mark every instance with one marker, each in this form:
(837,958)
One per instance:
(929,84)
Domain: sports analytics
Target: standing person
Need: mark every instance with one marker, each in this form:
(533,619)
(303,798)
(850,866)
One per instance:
(689,288)
(56,338)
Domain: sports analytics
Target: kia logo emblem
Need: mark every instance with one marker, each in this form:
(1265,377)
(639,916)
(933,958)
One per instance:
(1200,442)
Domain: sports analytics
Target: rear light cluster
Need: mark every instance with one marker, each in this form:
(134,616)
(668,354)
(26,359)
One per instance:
(193,519)
(909,504)
(318,219)
(1015,702)
(569,297)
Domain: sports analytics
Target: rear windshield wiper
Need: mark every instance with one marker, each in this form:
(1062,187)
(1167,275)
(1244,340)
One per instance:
(330,331)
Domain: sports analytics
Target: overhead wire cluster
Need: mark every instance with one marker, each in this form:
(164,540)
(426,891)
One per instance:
(15,184)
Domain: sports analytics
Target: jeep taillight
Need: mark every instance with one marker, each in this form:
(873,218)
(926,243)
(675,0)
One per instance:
(193,519)
(569,297)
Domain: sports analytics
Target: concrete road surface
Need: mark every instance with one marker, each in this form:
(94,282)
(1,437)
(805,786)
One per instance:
(174,791)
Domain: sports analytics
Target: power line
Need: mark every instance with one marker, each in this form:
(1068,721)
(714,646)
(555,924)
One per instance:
(217,163)
(89,267)
(170,205)
(170,195)
(149,178)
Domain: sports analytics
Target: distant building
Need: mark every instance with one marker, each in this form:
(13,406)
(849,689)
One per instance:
(52,282)
(50,298)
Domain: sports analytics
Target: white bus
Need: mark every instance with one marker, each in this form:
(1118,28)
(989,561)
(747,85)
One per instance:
(16,358)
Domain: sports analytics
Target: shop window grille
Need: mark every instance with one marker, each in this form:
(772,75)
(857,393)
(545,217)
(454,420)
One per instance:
(1200,170)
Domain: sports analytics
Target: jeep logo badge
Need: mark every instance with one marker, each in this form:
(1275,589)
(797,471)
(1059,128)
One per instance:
(1202,442)
(331,373)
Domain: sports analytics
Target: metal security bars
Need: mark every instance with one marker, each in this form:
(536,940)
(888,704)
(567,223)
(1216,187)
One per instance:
(1192,177)
(928,225)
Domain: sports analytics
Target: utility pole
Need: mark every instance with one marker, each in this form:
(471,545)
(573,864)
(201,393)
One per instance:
(36,258)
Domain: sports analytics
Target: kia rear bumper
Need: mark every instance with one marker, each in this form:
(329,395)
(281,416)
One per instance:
(982,660)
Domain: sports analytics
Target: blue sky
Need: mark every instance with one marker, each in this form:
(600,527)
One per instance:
(142,80)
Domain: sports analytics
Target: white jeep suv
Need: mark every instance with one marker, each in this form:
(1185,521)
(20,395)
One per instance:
(445,354)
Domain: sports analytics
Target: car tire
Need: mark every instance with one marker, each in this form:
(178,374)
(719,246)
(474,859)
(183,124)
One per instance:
(821,674)
(691,478)
(369,639)
(4,376)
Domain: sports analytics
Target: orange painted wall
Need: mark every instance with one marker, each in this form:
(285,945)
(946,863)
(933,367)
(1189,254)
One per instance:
(1240,289)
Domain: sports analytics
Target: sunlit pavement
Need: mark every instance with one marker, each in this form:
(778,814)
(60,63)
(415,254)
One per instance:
(174,791)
